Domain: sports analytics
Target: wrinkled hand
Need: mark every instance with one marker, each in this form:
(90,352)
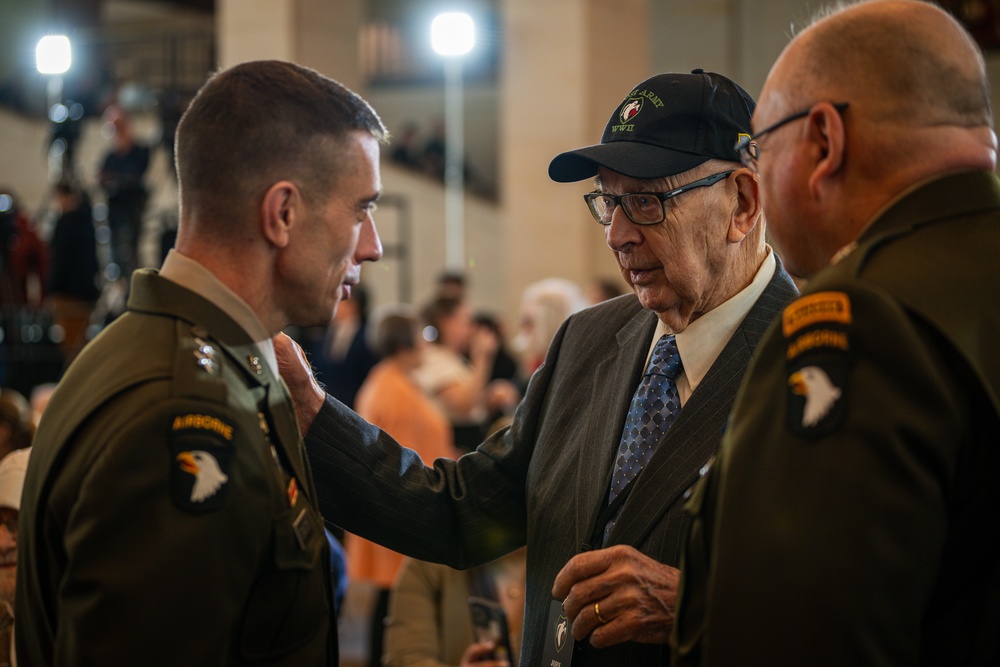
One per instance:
(307,396)
(637,596)
(478,655)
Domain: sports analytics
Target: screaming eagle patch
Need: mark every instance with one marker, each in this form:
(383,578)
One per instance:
(817,358)
(201,456)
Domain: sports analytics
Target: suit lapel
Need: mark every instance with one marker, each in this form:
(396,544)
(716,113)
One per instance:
(691,441)
(615,380)
(695,434)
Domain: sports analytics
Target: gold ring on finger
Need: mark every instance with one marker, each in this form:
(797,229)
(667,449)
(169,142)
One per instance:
(597,612)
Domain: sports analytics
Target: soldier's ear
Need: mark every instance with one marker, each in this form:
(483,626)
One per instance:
(279,209)
(824,129)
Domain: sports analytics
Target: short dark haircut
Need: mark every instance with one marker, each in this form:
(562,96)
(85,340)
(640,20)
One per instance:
(439,309)
(451,283)
(393,334)
(452,277)
(260,122)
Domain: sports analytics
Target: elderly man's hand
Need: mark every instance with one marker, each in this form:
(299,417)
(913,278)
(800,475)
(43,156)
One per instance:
(307,396)
(636,595)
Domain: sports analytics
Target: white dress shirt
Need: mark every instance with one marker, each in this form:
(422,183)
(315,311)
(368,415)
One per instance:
(704,339)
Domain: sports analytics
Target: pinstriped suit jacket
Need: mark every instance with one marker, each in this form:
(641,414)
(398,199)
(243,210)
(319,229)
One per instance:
(541,482)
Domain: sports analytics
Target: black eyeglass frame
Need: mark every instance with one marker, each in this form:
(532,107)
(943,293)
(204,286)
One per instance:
(749,150)
(591,197)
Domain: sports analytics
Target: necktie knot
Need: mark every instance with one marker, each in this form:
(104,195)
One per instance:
(666,359)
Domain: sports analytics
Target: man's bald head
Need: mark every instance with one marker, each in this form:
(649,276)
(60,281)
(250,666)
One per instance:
(908,62)
(888,93)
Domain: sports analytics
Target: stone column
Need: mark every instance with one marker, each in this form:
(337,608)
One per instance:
(315,33)
(567,64)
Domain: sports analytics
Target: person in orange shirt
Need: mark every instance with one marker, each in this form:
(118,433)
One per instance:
(391,400)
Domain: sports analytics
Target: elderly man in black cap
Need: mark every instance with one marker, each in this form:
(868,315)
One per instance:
(628,407)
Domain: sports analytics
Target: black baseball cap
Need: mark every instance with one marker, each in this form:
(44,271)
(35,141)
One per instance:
(668,124)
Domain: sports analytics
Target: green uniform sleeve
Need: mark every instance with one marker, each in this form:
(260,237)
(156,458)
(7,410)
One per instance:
(831,517)
(149,577)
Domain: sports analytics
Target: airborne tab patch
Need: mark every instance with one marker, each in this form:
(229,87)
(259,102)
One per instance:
(817,357)
(202,422)
(821,307)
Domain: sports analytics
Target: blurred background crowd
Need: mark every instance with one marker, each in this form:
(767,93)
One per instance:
(87,195)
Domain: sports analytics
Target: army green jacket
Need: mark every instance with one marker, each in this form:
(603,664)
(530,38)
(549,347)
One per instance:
(168,514)
(851,517)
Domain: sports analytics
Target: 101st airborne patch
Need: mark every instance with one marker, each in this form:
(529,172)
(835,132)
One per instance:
(201,458)
(817,358)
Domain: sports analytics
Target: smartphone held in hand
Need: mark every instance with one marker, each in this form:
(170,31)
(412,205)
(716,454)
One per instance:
(489,624)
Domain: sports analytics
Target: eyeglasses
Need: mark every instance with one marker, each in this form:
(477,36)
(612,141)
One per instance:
(642,208)
(748,147)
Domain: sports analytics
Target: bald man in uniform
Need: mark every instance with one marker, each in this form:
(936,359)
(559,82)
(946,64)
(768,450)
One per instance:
(850,518)
(169,514)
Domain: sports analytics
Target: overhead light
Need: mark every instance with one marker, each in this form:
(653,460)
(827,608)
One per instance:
(53,55)
(453,34)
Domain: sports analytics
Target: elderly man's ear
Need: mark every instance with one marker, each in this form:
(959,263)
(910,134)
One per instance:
(747,213)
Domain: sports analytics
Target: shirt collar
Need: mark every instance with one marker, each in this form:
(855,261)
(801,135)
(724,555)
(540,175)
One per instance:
(192,275)
(700,344)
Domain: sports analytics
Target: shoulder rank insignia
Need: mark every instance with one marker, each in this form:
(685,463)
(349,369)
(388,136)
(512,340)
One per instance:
(201,455)
(255,364)
(205,356)
(817,356)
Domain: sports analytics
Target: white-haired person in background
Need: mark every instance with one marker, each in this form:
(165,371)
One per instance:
(12,469)
(545,305)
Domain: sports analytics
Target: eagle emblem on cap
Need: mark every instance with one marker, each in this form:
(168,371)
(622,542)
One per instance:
(629,110)
(208,475)
(820,392)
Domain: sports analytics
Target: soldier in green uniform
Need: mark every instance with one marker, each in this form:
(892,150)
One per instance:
(169,514)
(850,518)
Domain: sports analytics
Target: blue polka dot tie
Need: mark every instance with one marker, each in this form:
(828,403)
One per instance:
(654,407)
